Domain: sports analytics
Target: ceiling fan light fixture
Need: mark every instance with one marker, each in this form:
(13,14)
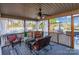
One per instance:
(38,17)
(43,17)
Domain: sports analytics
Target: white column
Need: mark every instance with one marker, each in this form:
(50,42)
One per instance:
(0,51)
(2,41)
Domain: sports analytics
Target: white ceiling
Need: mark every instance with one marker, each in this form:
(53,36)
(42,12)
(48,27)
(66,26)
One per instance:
(31,10)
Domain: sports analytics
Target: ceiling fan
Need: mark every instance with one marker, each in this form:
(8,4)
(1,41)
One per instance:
(41,15)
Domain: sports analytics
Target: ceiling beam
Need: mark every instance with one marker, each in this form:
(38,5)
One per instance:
(66,13)
(0,11)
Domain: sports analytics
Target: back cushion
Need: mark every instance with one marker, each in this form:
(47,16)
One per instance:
(11,38)
(38,34)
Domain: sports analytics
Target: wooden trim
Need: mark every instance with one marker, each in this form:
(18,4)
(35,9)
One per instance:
(60,33)
(12,16)
(16,17)
(72,31)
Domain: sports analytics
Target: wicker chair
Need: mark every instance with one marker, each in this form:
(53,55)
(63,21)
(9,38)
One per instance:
(40,44)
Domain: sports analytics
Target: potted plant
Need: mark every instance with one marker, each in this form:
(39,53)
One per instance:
(42,25)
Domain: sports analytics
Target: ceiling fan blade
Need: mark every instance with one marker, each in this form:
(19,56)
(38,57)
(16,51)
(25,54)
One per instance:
(46,14)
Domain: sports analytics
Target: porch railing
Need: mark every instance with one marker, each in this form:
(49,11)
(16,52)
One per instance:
(60,38)
(5,41)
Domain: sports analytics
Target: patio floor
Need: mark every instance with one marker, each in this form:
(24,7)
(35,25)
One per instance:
(24,50)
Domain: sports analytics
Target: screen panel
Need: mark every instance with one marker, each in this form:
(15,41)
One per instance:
(9,26)
(60,24)
(30,25)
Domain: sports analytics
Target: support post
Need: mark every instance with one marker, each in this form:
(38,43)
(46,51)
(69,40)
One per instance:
(48,27)
(72,31)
